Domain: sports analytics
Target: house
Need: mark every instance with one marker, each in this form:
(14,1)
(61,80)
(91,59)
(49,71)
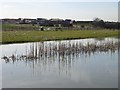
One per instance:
(42,21)
(56,22)
(28,21)
(68,23)
(61,22)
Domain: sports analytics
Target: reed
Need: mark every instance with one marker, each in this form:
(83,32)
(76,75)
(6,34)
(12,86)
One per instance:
(61,50)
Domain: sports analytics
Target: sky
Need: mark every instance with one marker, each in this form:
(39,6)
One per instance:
(67,9)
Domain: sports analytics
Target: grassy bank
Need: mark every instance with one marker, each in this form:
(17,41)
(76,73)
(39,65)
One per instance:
(36,36)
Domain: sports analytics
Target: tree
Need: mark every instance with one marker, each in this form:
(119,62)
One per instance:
(99,22)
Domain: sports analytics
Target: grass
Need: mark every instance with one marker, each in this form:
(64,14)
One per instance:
(17,27)
(36,36)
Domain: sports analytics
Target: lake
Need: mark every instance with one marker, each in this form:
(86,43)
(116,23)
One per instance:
(80,63)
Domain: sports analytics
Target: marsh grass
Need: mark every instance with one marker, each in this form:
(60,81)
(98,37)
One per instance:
(36,36)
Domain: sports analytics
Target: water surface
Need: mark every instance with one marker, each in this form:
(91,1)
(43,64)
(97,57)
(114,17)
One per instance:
(53,67)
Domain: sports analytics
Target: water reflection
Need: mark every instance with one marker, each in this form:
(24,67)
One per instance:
(64,59)
(44,51)
(65,53)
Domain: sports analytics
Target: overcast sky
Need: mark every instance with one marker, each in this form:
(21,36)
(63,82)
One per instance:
(66,9)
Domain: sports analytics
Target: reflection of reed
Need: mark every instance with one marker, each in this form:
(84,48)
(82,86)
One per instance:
(63,53)
(40,50)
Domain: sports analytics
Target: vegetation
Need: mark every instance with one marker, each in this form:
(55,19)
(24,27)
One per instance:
(44,50)
(18,33)
(97,23)
(36,36)
(12,27)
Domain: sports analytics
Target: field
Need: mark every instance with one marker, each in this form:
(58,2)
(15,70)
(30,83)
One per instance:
(36,36)
(17,27)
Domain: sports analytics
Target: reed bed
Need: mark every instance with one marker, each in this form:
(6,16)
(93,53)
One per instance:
(42,51)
